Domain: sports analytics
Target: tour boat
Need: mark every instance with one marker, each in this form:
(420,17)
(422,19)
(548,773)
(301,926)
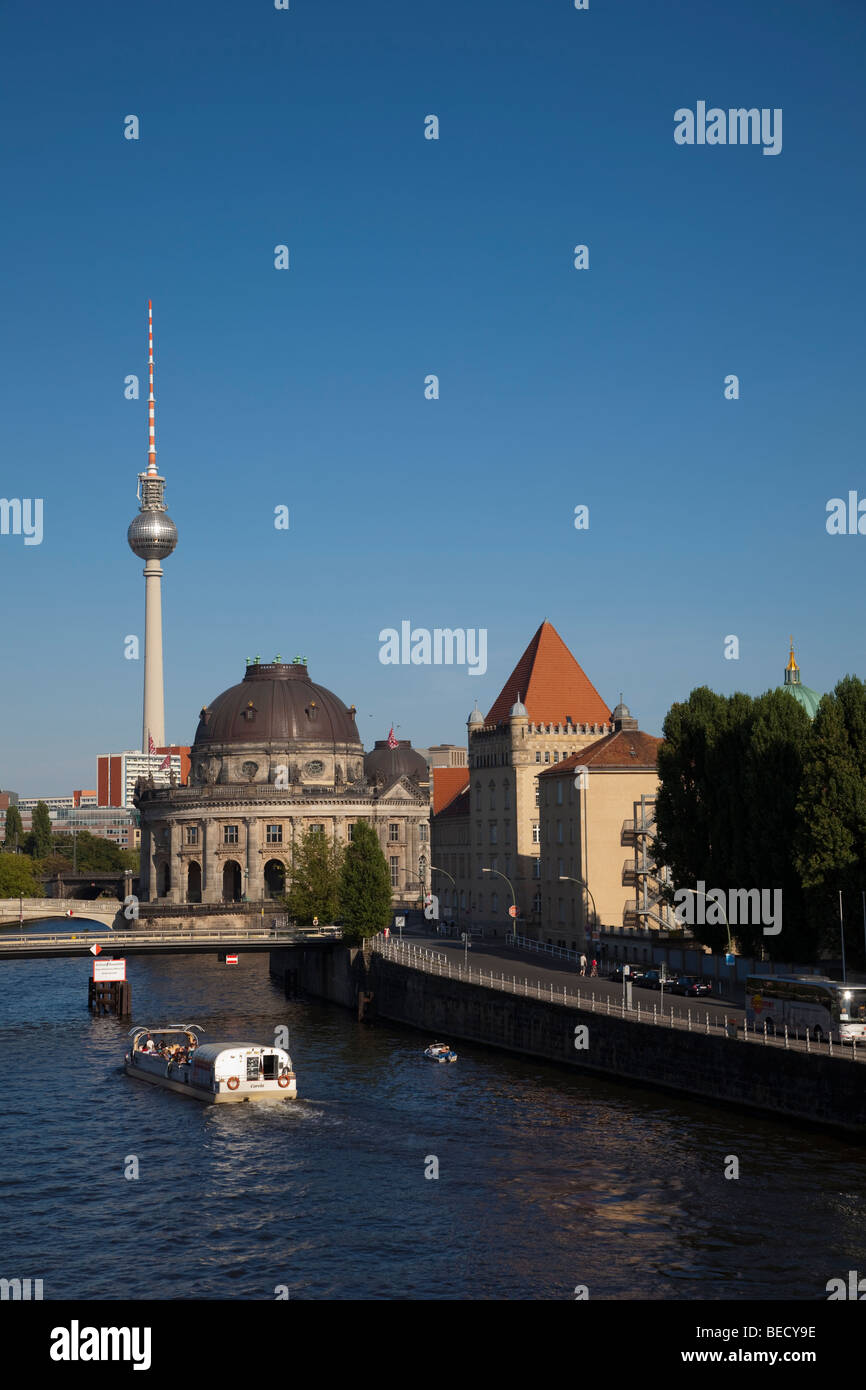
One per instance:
(440,1052)
(219,1073)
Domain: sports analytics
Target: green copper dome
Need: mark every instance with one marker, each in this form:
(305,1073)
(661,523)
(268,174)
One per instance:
(803,694)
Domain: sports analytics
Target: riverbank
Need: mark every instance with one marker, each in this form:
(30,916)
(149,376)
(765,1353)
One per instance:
(811,1088)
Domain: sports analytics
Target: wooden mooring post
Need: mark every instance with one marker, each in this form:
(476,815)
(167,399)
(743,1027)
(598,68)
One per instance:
(109,997)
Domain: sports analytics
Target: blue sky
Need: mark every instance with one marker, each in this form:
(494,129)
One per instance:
(408,256)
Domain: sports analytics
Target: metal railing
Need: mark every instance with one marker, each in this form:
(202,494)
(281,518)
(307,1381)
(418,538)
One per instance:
(439,964)
(526,943)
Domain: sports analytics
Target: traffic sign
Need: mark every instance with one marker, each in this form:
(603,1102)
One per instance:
(512,911)
(231,960)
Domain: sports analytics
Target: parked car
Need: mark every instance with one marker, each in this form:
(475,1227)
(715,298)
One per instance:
(687,984)
(635,974)
(653,980)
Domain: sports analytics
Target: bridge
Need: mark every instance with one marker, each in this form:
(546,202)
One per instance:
(37,909)
(171,942)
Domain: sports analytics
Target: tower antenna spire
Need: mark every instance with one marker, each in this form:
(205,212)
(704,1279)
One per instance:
(151,434)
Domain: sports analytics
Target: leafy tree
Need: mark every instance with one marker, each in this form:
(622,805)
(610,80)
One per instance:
(17,877)
(14,829)
(94,854)
(315,886)
(40,836)
(365,885)
(830,850)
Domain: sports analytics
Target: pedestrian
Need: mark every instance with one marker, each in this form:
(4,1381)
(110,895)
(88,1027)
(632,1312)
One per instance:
(594,971)
(582,964)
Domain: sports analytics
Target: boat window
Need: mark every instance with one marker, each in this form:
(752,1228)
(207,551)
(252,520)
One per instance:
(269,1062)
(252,1069)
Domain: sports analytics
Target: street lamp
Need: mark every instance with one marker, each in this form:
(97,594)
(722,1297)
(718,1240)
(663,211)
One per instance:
(513,896)
(567,878)
(434,869)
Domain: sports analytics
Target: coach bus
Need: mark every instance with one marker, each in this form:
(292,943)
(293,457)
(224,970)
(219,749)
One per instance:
(807,1004)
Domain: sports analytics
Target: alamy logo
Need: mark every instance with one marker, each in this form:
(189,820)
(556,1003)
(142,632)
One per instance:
(444,646)
(737,907)
(737,126)
(856,1288)
(20,1289)
(75,1343)
(22,516)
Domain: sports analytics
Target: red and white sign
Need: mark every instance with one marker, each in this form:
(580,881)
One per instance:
(95,949)
(231,960)
(109,969)
(512,911)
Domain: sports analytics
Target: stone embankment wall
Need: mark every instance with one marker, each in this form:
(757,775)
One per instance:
(809,1087)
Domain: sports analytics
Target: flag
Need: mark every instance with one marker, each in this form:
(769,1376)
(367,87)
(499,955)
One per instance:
(392,742)
(151,746)
(166,763)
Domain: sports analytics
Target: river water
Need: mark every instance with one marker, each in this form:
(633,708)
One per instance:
(547,1180)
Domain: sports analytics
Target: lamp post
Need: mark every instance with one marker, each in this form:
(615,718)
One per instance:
(434,869)
(422,876)
(513,896)
(567,878)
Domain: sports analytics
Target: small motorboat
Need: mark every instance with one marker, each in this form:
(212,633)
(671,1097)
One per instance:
(440,1052)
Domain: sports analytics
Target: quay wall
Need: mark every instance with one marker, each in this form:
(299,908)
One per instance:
(814,1088)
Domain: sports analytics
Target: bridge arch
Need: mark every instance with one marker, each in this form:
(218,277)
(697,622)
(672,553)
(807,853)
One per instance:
(231,881)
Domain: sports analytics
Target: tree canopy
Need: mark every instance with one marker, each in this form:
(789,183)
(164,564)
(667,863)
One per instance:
(315,884)
(365,885)
(17,877)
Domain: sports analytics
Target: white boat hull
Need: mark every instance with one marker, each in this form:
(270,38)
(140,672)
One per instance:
(246,1090)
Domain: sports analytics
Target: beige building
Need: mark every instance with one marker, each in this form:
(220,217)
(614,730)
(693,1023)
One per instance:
(594,821)
(274,757)
(488,840)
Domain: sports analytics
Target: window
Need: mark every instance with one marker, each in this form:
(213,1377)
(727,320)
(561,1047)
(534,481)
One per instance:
(559,793)
(561,863)
(493,832)
(537,793)
(230,834)
(536,868)
(395,871)
(556,757)
(559,832)
(274,835)
(536,833)
(561,910)
(547,757)
(538,755)
(422,832)
(351,831)
(394,831)
(317,830)
(507,797)
(494,902)
(507,865)
(536,901)
(191,834)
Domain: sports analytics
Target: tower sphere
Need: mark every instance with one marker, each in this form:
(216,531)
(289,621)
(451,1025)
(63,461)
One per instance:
(152,535)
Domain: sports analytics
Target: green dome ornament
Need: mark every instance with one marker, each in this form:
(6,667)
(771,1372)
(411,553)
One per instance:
(803,694)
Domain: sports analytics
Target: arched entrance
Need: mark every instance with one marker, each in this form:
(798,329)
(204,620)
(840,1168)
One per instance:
(275,878)
(193,882)
(163,879)
(231,881)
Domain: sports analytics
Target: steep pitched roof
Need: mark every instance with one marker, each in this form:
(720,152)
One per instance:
(551,684)
(447,782)
(614,753)
(459,806)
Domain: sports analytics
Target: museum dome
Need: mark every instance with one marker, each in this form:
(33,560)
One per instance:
(276,703)
(384,764)
(803,694)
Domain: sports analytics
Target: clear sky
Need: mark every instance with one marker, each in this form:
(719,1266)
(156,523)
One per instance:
(408,256)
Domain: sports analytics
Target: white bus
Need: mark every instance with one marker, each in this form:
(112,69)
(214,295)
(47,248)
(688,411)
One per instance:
(807,1004)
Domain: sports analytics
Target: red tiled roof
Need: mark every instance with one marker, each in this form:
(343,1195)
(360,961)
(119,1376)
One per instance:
(459,806)
(447,783)
(551,685)
(613,752)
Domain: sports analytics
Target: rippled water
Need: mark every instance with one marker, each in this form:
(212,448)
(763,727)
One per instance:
(546,1180)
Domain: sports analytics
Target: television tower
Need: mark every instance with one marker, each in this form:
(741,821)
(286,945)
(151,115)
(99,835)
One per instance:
(152,536)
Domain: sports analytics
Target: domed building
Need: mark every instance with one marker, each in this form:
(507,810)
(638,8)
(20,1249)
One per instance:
(274,757)
(803,694)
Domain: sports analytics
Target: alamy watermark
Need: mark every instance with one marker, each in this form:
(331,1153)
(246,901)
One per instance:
(22,516)
(737,907)
(444,646)
(736,126)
